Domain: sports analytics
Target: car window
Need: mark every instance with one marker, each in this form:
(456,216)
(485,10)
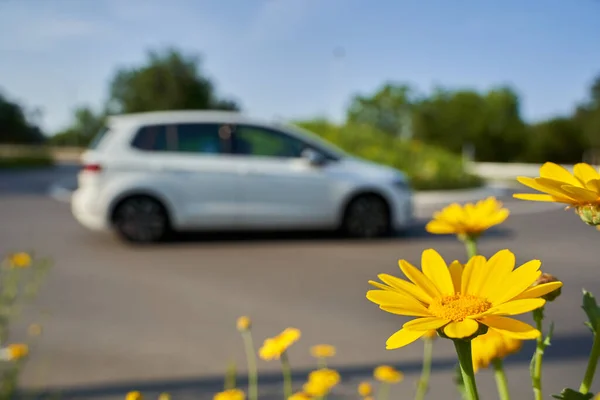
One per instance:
(262,142)
(199,138)
(184,138)
(151,138)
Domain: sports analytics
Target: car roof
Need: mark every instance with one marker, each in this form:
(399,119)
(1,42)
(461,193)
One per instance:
(183,116)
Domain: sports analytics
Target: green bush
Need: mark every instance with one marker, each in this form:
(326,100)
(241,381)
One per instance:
(23,157)
(428,167)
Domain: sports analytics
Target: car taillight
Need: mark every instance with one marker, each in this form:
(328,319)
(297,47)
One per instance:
(92,167)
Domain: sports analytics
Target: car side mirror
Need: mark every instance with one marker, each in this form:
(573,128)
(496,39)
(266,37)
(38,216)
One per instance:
(313,157)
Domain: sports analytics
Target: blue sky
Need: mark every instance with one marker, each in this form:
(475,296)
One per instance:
(277,56)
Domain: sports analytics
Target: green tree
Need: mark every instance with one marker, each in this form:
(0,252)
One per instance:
(86,124)
(560,140)
(169,80)
(387,110)
(15,128)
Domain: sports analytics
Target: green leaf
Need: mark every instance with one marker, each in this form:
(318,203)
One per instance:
(570,394)
(549,336)
(592,310)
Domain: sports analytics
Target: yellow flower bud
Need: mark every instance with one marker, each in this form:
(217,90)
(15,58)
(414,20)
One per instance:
(322,351)
(164,396)
(547,278)
(385,373)
(17,351)
(590,214)
(34,330)
(244,324)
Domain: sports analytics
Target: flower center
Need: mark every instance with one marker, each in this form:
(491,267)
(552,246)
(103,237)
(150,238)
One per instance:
(458,306)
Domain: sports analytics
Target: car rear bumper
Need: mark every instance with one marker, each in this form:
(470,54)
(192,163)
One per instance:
(86,211)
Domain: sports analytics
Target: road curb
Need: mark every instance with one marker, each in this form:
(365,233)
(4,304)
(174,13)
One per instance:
(444,197)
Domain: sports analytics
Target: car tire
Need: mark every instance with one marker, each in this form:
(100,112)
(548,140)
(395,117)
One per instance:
(141,219)
(367,216)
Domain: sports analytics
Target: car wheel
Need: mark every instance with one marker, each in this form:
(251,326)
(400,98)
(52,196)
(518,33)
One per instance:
(141,219)
(367,216)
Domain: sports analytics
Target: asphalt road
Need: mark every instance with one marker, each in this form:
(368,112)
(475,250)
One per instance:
(163,317)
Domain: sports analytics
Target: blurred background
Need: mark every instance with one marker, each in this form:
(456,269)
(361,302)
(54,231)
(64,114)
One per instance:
(458,95)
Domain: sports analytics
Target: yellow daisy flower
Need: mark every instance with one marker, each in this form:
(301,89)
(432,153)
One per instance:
(134,395)
(387,374)
(457,299)
(470,219)
(20,260)
(231,394)
(274,347)
(322,351)
(490,346)
(365,389)
(299,396)
(14,352)
(321,381)
(580,189)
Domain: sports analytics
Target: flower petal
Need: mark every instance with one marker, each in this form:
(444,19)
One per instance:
(419,279)
(437,227)
(475,263)
(425,324)
(461,329)
(402,338)
(456,271)
(552,187)
(538,197)
(515,307)
(408,311)
(539,290)
(581,194)
(511,327)
(556,172)
(516,282)
(406,287)
(585,172)
(435,268)
(496,269)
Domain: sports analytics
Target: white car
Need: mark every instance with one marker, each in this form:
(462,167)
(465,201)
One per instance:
(146,175)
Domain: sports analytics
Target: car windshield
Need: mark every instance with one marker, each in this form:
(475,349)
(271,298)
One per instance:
(317,140)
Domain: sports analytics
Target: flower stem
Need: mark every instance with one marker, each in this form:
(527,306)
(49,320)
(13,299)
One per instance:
(471,246)
(465,360)
(591,367)
(423,384)
(252,370)
(322,363)
(501,381)
(536,373)
(383,393)
(287,376)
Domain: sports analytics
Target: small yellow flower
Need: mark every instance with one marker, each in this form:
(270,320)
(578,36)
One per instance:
(134,395)
(15,351)
(459,299)
(34,330)
(388,374)
(20,260)
(274,347)
(365,389)
(164,396)
(580,189)
(322,351)
(321,381)
(468,220)
(492,345)
(299,396)
(244,324)
(231,394)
